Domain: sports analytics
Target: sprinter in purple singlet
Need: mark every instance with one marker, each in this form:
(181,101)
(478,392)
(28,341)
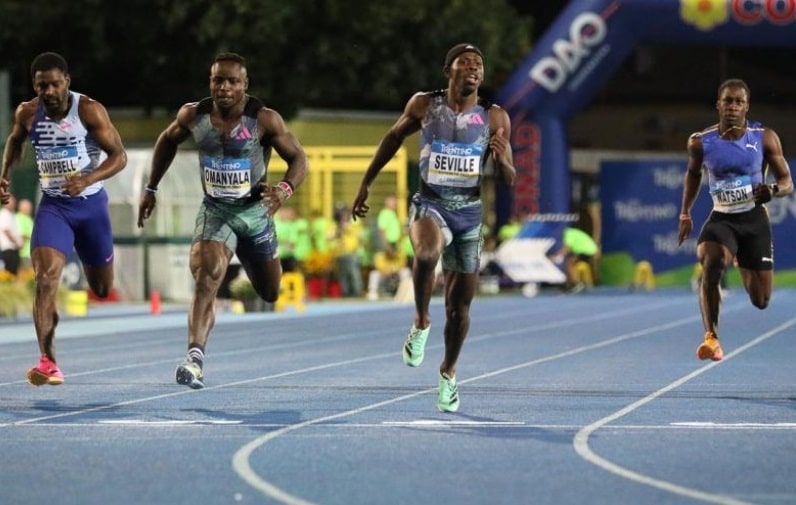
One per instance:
(77,147)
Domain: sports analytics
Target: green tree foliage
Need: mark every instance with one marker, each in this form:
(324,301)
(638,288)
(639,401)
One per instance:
(360,55)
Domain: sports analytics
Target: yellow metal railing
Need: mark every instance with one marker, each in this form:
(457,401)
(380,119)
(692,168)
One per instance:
(334,177)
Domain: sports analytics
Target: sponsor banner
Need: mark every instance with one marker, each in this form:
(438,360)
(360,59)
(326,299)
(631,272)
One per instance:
(526,257)
(641,210)
(579,52)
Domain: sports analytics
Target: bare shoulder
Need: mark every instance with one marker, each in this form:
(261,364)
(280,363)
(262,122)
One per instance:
(498,112)
(422,96)
(28,106)
(26,110)
(770,133)
(418,104)
(270,118)
(88,104)
(695,138)
(92,113)
(187,114)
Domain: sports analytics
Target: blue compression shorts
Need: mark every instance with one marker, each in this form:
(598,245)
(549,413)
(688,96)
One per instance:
(79,223)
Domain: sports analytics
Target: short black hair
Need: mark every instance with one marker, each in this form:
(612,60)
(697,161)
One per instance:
(227,56)
(48,61)
(735,83)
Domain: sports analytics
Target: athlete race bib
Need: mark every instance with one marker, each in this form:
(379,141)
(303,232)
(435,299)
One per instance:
(227,178)
(454,164)
(732,195)
(56,165)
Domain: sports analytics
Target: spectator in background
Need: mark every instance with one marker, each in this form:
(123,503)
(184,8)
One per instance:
(10,239)
(77,147)
(24,217)
(388,226)
(349,242)
(303,238)
(322,231)
(389,270)
(510,229)
(287,234)
(577,245)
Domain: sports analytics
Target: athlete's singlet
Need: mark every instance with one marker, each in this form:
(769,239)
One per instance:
(63,149)
(230,166)
(734,167)
(453,149)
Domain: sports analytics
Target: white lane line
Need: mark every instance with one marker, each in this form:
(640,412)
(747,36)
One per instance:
(311,342)
(203,423)
(581,440)
(735,426)
(445,424)
(241,464)
(169,422)
(186,391)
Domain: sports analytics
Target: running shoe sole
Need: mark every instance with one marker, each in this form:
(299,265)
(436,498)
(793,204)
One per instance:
(710,350)
(38,378)
(186,377)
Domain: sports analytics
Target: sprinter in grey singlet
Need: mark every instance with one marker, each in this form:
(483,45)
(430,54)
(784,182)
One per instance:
(235,133)
(460,132)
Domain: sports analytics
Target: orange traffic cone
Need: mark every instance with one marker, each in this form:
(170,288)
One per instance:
(154,302)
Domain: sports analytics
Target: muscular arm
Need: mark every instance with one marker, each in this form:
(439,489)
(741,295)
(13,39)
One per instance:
(774,157)
(95,117)
(408,123)
(163,154)
(691,184)
(168,141)
(285,144)
(12,152)
(500,125)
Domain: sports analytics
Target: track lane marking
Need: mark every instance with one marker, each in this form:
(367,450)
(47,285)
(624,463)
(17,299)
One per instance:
(241,459)
(581,439)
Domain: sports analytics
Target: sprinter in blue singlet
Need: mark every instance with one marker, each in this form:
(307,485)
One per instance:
(736,154)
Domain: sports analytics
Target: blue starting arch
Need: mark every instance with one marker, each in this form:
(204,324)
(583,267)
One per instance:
(583,47)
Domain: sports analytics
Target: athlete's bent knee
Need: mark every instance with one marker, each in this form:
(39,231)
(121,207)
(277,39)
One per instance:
(760,302)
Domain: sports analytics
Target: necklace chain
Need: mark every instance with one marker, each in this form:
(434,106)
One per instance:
(731,128)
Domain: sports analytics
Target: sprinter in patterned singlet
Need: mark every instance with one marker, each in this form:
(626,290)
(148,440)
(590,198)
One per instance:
(235,133)
(736,153)
(460,132)
(77,148)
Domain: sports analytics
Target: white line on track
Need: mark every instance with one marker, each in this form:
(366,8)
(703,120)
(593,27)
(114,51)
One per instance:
(581,440)
(591,318)
(241,464)
(431,423)
(735,426)
(445,424)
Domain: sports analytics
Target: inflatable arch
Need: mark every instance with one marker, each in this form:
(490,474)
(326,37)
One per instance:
(587,42)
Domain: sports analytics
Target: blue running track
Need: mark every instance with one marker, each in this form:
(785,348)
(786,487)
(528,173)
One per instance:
(592,399)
